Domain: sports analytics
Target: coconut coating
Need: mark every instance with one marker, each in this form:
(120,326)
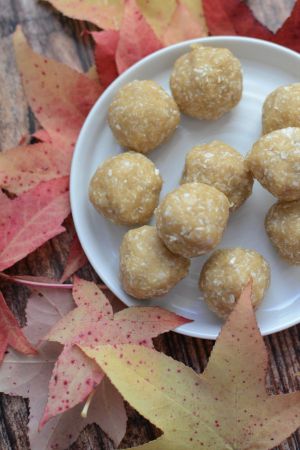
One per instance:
(281,108)
(221,166)
(126,189)
(147,268)
(283,228)
(227,272)
(275,162)
(142,116)
(192,218)
(207,82)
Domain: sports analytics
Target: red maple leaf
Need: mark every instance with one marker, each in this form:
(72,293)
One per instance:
(11,333)
(234,17)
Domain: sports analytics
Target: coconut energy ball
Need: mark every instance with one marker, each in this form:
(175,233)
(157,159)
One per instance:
(142,116)
(275,162)
(147,267)
(206,82)
(227,272)
(283,227)
(126,189)
(221,166)
(281,108)
(192,218)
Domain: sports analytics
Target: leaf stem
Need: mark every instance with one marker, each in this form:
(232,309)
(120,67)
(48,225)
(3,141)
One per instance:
(85,409)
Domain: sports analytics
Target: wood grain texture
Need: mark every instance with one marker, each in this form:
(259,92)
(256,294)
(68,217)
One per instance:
(58,37)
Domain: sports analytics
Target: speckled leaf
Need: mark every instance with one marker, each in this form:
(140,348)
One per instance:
(22,168)
(75,261)
(31,219)
(137,39)
(227,407)
(91,323)
(11,333)
(59,96)
(106,43)
(105,14)
(29,377)
(183,26)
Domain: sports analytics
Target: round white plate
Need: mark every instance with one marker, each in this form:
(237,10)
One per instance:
(266,66)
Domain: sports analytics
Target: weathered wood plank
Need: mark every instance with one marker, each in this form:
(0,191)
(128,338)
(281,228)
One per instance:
(58,37)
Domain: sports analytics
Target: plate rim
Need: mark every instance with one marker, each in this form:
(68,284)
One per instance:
(106,93)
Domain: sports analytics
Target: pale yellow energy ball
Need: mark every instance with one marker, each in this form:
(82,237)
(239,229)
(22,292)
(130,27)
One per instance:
(275,162)
(142,116)
(283,227)
(147,268)
(207,82)
(221,166)
(126,188)
(281,108)
(227,272)
(192,218)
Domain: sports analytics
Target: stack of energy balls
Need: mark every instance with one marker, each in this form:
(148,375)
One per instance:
(206,83)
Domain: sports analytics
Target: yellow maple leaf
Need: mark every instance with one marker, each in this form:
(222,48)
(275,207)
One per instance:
(105,14)
(225,408)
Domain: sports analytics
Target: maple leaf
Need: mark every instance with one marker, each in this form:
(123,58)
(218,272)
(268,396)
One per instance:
(76,259)
(137,39)
(92,322)
(11,333)
(42,135)
(59,96)
(226,407)
(183,26)
(235,17)
(31,219)
(162,15)
(23,168)
(105,14)
(106,43)
(29,377)
(157,13)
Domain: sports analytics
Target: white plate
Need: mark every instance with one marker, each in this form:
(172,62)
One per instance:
(266,66)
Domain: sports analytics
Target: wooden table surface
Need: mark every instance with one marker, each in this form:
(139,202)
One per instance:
(58,37)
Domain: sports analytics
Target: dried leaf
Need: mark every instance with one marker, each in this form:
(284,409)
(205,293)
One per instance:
(59,96)
(29,377)
(45,307)
(23,168)
(105,14)
(183,26)
(11,333)
(76,259)
(227,407)
(106,43)
(235,17)
(137,39)
(31,219)
(92,322)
